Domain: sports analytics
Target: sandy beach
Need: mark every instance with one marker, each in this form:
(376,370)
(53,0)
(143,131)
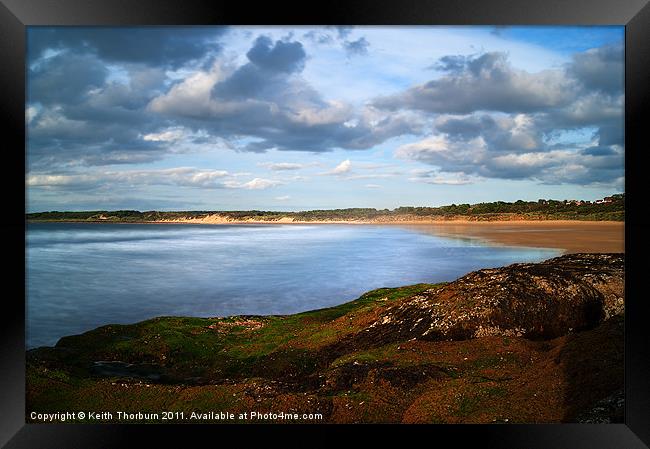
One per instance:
(569,236)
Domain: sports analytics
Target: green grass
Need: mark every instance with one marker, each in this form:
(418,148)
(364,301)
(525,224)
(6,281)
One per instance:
(371,298)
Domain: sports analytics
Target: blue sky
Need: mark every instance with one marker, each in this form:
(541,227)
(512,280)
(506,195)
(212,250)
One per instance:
(277,118)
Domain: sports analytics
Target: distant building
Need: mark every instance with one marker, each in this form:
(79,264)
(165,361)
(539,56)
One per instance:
(607,199)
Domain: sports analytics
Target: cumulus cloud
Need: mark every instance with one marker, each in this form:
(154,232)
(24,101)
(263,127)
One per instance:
(65,78)
(347,170)
(500,132)
(342,31)
(99,97)
(89,104)
(169,135)
(484,83)
(319,37)
(494,121)
(271,102)
(280,56)
(91,86)
(601,69)
(340,35)
(343,167)
(449,155)
(168,46)
(466,159)
(86,118)
(191,97)
(30,113)
(357,47)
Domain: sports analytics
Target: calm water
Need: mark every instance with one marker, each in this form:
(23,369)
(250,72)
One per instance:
(80,276)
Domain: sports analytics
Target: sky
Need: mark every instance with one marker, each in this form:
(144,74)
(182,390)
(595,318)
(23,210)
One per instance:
(300,118)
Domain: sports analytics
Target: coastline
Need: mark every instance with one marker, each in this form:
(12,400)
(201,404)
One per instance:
(290,221)
(347,362)
(570,236)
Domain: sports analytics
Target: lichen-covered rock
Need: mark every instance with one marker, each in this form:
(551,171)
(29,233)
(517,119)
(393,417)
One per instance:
(534,300)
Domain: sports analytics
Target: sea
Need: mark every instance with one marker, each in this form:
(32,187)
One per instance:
(83,275)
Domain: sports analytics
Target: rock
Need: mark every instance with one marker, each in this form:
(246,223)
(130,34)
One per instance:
(534,300)
(375,367)
(608,410)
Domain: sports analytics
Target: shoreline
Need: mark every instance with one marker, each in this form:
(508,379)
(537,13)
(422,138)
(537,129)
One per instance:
(336,359)
(346,222)
(569,236)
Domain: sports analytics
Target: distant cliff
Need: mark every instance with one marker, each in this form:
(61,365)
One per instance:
(540,342)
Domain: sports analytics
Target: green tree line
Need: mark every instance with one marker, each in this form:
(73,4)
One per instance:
(612,209)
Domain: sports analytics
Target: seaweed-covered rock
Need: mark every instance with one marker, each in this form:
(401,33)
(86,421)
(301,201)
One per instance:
(534,300)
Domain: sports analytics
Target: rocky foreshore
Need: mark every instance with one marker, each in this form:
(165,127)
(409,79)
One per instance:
(535,300)
(538,342)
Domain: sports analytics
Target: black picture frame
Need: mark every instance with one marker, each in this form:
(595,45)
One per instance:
(16,15)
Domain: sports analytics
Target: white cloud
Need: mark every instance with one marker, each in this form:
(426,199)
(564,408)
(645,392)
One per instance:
(344,171)
(439,150)
(191,97)
(485,82)
(177,176)
(169,135)
(484,116)
(260,184)
(332,112)
(30,113)
(57,180)
(436,178)
(374,175)
(343,167)
(283,197)
(278,166)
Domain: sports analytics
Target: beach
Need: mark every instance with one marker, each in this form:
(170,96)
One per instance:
(569,236)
